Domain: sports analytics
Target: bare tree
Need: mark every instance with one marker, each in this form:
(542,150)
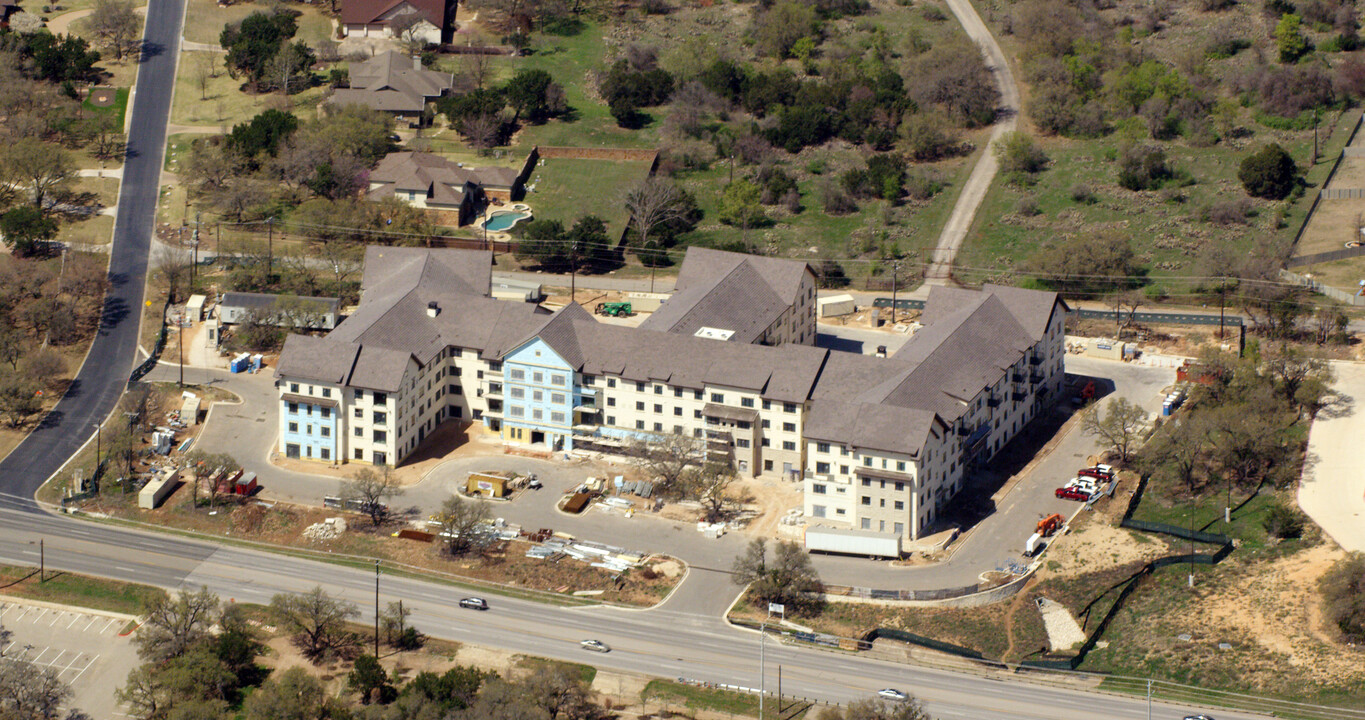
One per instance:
(464,525)
(1329,324)
(410,30)
(174,625)
(372,489)
(652,203)
(25,23)
(343,259)
(1125,306)
(318,619)
(481,131)
(476,67)
(786,577)
(710,485)
(115,22)
(212,467)
(204,73)
(173,268)
(1119,428)
(29,690)
(668,458)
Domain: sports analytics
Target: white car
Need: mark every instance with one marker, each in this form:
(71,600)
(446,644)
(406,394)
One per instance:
(892,694)
(595,646)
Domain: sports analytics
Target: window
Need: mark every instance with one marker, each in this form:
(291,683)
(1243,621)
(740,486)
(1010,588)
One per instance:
(325,431)
(767,424)
(537,414)
(746,402)
(537,395)
(658,389)
(900,466)
(557,398)
(360,432)
(557,379)
(538,378)
(327,412)
(358,413)
(293,427)
(639,386)
(658,409)
(696,432)
(677,411)
(788,445)
(639,424)
(518,393)
(741,442)
(867,461)
(677,392)
(900,505)
(788,427)
(867,483)
(381,436)
(294,408)
(696,414)
(359,395)
(697,394)
(658,427)
(839,511)
(866,500)
(381,418)
(789,407)
(867,523)
(819,489)
(717,397)
(516,411)
(843,469)
(817,511)
(611,382)
(899,527)
(767,405)
(677,429)
(843,450)
(589,379)
(381,398)
(359,454)
(767,464)
(557,418)
(743,424)
(639,405)
(900,487)
(453,371)
(308,409)
(822,468)
(611,419)
(767,442)
(611,402)
(822,447)
(294,388)
(327,392)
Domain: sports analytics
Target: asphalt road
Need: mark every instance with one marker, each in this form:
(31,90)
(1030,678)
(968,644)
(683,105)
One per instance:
(656,641)
(102,378)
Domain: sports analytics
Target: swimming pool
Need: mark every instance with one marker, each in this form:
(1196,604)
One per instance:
(499,221)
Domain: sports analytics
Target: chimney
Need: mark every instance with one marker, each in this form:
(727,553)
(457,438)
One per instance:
(433,309)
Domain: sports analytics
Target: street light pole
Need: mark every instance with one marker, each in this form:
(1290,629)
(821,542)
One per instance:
(376,610)
(762,652)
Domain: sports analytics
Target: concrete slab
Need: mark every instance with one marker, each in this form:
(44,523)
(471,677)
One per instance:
(1332,487)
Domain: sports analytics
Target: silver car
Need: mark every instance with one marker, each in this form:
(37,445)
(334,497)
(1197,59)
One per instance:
(595,646)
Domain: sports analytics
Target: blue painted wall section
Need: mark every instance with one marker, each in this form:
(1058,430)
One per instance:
(310,431)
(540,390)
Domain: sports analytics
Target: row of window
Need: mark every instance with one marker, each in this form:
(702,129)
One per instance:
(715,397)
(519,393)
(323,430)
(519,411)
(537,377)
(379,397)
(323,411)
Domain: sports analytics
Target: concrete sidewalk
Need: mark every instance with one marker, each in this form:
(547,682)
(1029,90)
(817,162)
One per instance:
(1332,487)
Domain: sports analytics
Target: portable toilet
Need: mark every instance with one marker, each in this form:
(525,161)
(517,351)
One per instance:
(211,330)
(256,361)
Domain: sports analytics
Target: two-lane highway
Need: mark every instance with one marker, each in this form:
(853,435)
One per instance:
(103,376)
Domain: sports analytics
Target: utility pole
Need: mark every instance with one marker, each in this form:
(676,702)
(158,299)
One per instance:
(376,610)
(573,270)
(1149,699)
(1222,298)
(42,561)
(94,476)
(195,265)
(762,653)
(269,248)
(895,276)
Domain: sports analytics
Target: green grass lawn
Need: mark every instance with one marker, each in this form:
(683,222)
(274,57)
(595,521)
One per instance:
(78,590)
(119,109)
(568,189)
(222,103)
(668,694)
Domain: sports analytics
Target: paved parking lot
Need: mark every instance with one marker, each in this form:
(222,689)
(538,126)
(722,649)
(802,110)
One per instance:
(83,646)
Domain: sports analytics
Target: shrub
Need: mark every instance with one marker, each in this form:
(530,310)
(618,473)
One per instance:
(1289,39)
(1143,167)
(923,184)
(929,137)
(836,201)
(1343,595)
(1081,193)
(1288,92)
(1269,173)
(1227,212)
(1283,522)
(1027,206)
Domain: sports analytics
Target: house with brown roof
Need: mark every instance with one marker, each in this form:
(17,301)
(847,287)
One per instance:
(395,84)
(443,187)
(880,444)
(375,18)
(8,8)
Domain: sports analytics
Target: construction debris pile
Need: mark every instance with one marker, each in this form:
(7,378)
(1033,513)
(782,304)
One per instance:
(598,555)
(328,529)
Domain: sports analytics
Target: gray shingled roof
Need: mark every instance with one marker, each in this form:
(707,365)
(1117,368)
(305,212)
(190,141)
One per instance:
(871,426)
(392,82)
(1032,308)
(313,358)
(267,301)
(729,291)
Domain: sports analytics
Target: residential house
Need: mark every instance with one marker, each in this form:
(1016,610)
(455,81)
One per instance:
(446,188)
(375,18)
(395,84)
(305,313)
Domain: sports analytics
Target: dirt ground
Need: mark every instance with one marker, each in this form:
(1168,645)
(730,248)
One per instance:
(771,499)
(450,441)
(1332,225)
(1095,540)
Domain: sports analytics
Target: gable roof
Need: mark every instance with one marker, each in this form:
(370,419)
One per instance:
(442,181)
(742,293)
(1032,308)
(365,12)
(267,301)
(392,82)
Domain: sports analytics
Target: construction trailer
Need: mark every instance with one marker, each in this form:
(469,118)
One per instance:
(491,485)
(158,489)
(835,305)
(853,542)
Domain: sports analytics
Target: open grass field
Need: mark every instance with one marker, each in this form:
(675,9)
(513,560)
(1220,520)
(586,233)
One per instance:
(204,20)
(221,102)
(567,189)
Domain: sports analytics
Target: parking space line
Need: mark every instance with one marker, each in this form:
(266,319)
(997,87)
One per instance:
(74,620)
(34,660)
(7,607)
(93,620)
(7,647)
(82,672)
(74,660)
(55,619)
(106,627)
(40,615)
(54,661)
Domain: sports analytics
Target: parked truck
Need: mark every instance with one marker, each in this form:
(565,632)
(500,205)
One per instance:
(853,542)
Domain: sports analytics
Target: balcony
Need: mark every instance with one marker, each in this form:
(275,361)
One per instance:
(993,402)
(1035,378)
(1017,376)
(1019,396)
(1035,360)
(587,391)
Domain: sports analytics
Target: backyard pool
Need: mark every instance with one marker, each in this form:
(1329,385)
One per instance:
(500,221)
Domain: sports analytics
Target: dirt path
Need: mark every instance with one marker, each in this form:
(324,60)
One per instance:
(62,23)
(969,200)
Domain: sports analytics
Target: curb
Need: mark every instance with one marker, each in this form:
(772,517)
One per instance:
(58,606)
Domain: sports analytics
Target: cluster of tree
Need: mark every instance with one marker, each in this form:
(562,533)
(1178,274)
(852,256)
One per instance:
(878,709)
(783,576)
(117,25)
(635,81)
(794,29)
(1242,430)
(44,304)
(1343,593)
(660,211)
(259,50)
(584,247)
(30,690)
(58,59)
(487,116)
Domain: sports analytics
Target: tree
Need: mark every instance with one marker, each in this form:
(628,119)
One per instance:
(475,67)
(11,347)
(878,709)
(786,578)
(778,27)
(172,266)
(1302,381)
(263,134)
(288,69)
(465,525)
(318,619)
(210,467)
(205,70)
(1269,173)
(252,44)
(42,167)
(1087,262)
(654,202)
(528,92)
(31,691)
(1019,155)
(1176,452)
(174,625)
(667,459)
(237,644)
(196,681)
(454,690)
(709,485)
(1289,39)
(1343,595)
(543,241)
(739,205)
(368,678)
(1119,428)
(588,246)
(115,22)
(105,135)
(1143,167)
(293,694)
(410,28)
(25,23)
(373,490)
(25,227)
(19,400)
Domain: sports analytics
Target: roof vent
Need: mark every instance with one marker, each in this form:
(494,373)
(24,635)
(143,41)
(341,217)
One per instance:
(711,333)
(433,309)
